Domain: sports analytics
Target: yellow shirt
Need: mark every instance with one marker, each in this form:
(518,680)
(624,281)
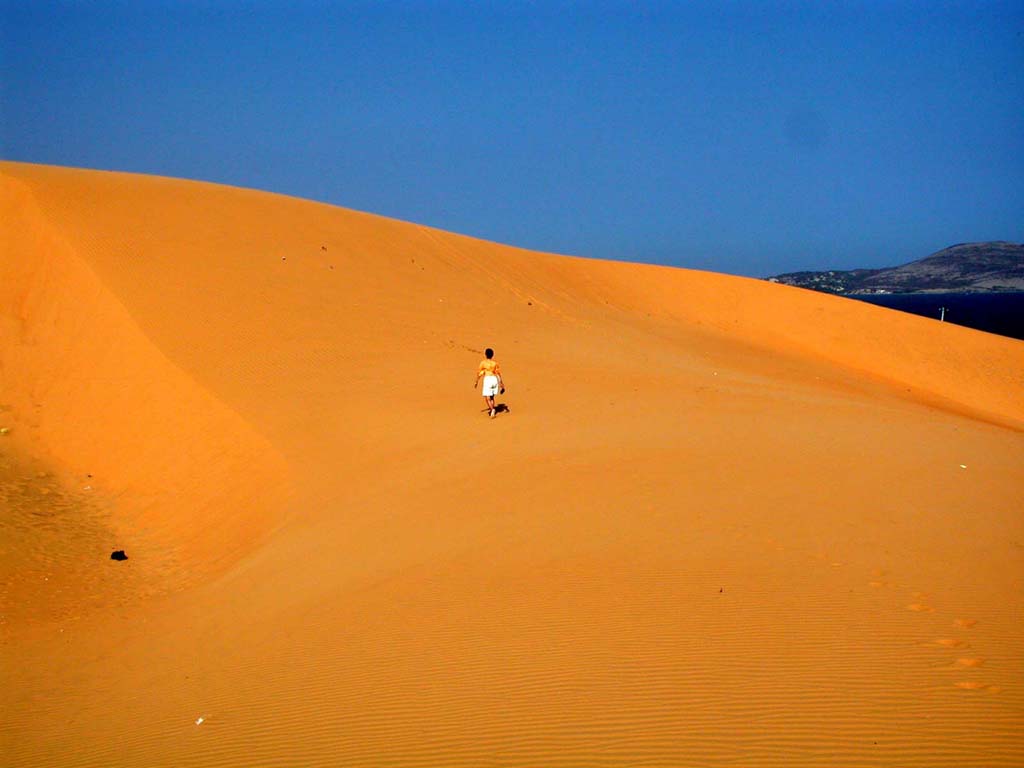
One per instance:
(489,367)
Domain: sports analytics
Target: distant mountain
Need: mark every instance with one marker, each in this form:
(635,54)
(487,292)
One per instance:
(964,268)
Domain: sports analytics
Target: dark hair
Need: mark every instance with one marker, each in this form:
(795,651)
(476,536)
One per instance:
(489,352)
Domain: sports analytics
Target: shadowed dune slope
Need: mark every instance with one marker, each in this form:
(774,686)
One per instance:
(88,392)
(723,522)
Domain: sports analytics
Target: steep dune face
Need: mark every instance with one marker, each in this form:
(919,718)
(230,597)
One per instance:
(191,484)
(724,522)
(949,365)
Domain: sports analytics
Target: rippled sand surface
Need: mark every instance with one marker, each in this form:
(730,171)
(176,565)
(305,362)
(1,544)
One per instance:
(721,522)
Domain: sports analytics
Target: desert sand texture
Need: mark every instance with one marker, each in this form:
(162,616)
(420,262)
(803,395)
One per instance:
(721,522)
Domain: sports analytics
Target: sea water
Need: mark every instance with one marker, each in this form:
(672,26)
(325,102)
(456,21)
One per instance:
(1001,313)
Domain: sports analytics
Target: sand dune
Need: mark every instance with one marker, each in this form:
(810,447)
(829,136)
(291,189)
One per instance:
(724,522)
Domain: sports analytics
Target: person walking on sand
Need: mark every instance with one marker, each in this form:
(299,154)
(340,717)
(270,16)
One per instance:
(490,371)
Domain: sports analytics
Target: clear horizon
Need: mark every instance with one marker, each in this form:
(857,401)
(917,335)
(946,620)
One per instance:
(748,138)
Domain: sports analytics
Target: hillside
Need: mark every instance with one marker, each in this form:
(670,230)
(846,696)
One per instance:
(968,267)
(721,521)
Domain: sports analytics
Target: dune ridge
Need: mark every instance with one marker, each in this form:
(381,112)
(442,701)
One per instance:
(90,393)
(725,522)
(952,365)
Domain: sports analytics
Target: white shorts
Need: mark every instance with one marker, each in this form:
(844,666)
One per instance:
(490,385)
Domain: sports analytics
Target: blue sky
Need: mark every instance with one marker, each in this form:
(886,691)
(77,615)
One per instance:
(744,137)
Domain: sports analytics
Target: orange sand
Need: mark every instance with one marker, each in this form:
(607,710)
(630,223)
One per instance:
(725,522)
